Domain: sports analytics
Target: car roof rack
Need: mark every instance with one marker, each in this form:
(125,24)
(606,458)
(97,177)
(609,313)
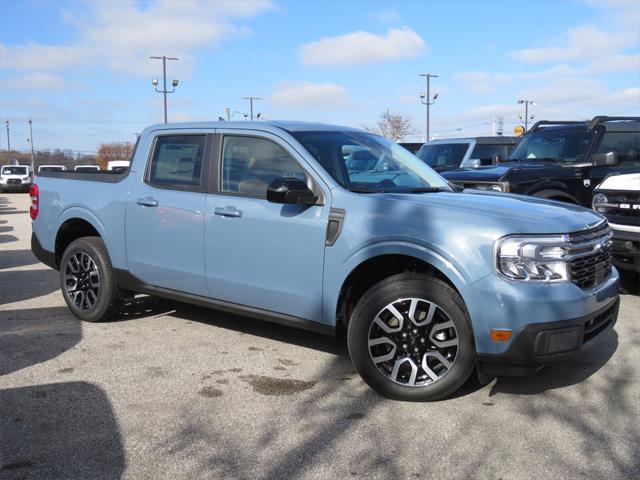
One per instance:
(604,118)
(543,123)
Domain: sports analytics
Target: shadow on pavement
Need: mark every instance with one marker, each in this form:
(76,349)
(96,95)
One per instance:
(63,430)
(262,328)
(35,335)
(8,238)
(17,258)
(22,285)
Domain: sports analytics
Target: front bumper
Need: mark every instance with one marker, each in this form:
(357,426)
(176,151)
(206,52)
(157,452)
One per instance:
(626,250)
(537,345)
(529,309)
(15,187)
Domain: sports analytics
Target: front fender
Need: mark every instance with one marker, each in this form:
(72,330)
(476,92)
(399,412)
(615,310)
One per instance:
(334,280)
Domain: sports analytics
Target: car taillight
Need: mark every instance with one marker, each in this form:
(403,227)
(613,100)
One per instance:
(34,193)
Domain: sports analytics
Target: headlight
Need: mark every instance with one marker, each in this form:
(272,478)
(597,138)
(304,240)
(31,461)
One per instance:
(540,259)
(490,186)
(600,202)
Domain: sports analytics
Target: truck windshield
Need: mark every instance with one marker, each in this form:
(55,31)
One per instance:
(14,171)
(367,163)
(443,154)
(567,145)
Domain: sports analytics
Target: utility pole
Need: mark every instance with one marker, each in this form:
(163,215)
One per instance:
(427,100)
(31,142)
(251,99)
(526,112)
(8,141)
(164,90)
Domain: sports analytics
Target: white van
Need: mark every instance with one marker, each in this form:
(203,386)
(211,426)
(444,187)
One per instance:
(15,178)
(51,168)
(86,168)
(118,165)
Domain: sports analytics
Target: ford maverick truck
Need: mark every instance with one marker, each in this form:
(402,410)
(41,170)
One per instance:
(268,220)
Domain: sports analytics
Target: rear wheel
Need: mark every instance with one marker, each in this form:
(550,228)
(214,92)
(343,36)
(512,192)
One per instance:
(410,338)
(87,281)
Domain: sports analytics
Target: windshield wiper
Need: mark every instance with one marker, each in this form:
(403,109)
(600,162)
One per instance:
(363,190)
(425,190)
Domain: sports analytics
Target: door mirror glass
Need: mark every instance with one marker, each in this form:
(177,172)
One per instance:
(290,191)
(604,159)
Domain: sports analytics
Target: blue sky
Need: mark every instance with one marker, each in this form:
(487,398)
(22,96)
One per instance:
(81,71)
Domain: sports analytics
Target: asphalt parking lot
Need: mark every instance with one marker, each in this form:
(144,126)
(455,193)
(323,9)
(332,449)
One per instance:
(173,391)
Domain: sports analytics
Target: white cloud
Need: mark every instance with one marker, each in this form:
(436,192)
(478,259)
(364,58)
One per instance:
(358,48)
(124,34)
(308,94)
(35,81)
(482,77)
(386,16)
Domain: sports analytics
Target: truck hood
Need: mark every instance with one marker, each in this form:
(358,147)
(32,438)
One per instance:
(523,213)
(492,174)
(630,182)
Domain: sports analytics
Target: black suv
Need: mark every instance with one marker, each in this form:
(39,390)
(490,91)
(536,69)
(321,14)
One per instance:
(561,160)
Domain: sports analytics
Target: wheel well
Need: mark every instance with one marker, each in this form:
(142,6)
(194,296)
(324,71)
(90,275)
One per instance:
(72,230)
(557,195)
(370,272)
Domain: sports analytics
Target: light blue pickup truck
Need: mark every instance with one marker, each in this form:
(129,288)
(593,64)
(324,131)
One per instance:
(271,220)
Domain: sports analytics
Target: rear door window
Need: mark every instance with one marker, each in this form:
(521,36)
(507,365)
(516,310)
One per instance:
(177,162)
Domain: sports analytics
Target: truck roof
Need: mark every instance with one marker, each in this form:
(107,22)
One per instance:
(612,124)
(489,140)
(269,125)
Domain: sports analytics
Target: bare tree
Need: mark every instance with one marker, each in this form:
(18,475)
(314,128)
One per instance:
(113,151)
(393,126)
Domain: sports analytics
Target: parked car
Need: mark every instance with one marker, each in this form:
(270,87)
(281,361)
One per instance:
(51,168)
(618,199)
(265,220)
(562,160)
(118,165)
(412,147)
(87,168)
(452,153)
(15,178)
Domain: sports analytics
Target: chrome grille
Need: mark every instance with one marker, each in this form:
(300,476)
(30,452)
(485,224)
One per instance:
(593,266)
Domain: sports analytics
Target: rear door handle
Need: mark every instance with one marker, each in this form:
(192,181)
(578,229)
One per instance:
(227,211)
(147,202)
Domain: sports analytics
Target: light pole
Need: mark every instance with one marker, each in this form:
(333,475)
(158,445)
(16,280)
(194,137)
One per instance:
(8,141)
(164,90)
(31,142)
(526,112)
(427,100)
(251,99)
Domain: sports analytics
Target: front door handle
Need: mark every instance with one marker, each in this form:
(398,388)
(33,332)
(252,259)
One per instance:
(227,211)
(147,202)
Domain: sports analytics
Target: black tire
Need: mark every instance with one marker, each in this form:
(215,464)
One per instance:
(449,306)
(105,301)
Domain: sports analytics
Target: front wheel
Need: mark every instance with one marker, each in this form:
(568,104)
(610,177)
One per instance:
(410,338)
(87,281)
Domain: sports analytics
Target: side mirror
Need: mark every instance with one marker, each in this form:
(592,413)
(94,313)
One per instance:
(291,191)
(471,163)
(604,159)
